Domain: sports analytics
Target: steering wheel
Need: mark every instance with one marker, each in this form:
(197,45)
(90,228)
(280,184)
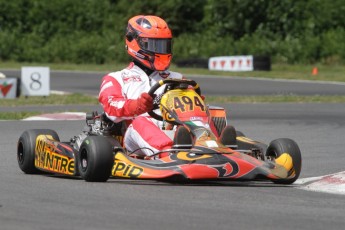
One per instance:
(172,84)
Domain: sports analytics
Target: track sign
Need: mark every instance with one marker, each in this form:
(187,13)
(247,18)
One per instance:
(8,87)
(35,81)
(231,63)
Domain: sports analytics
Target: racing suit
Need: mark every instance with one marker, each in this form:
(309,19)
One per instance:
(144,134)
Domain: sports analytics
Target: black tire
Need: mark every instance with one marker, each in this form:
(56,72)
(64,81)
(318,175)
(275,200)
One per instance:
(193,62)
(240,134)
(182,137)
(284,145)
(228,135)
(26,149)
(262,63)
(95,159)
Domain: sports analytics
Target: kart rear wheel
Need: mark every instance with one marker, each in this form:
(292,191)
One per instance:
(95,159)
(285,145)
(26,149)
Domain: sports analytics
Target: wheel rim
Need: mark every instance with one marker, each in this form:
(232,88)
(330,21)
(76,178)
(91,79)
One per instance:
(83,160)
(20,153)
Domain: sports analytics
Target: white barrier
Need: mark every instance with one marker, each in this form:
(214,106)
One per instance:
(231,63)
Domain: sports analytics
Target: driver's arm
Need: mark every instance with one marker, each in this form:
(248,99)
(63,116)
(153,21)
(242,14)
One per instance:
(116,106)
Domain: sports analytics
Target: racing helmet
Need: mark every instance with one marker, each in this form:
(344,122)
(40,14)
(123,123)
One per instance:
(149,41)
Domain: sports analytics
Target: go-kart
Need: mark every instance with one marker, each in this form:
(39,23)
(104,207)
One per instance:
(205,146)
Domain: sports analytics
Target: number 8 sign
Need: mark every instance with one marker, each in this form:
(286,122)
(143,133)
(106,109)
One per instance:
(35,81)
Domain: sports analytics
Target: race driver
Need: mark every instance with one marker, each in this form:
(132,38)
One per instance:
(123,94)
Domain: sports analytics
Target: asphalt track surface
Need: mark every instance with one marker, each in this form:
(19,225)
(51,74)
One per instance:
(55,202)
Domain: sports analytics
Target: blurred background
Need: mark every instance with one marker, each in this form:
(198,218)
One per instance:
(92,31)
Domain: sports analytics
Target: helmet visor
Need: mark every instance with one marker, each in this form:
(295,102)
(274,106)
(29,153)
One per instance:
(160,46)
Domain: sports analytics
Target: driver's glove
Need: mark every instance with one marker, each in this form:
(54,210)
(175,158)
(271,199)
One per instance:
(141,105)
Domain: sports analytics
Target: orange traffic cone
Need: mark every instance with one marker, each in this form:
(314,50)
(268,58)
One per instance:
(315,71)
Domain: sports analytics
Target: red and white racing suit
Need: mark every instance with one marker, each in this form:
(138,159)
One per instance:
(143,132)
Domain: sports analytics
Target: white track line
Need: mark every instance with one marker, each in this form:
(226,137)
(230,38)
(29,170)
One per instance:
(58,116)
(333,183)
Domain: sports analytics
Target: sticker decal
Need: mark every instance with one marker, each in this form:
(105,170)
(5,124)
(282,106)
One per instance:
(228,169)
(46,157)
(122,169)
(211,144)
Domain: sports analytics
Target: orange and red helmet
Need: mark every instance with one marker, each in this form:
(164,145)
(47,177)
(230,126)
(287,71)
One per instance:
(149,41)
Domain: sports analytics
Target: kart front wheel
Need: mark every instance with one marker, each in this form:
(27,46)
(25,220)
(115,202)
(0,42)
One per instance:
(26,148)
(282,146)
(95,159)
(228,136)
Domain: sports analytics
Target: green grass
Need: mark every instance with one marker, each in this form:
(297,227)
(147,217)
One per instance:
(53,99)
(79,99)
(299,72)
(17,115)
(302,72)
(276,99)
(87,100)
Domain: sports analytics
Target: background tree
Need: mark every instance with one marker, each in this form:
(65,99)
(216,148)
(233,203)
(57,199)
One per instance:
(92,31)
